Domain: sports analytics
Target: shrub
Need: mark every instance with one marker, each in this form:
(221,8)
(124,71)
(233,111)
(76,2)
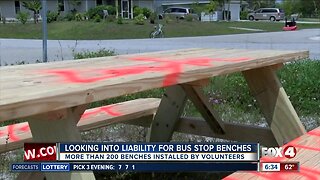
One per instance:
(111,18)
(189,18)
(60,18)
(78,17)
(243,15)
(70,16)
(111,10)
(211,7)
(153,17)
(198,8)
(97,18)
(52,16)
(91,54)
(119,20)
(23,17)
(146,12)
(137,11)
(99,11)
(139,19)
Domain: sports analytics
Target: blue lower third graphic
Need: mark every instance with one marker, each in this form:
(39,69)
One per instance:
(25,167)
(55,167)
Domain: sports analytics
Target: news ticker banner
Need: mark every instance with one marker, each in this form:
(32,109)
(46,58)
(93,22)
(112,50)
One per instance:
(142,152)
(160,167)
(135,167)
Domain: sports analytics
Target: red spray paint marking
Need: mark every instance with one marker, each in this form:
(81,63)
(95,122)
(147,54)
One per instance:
(105,109)
(312,170)
(306,172)
(264,175)
(284,175)
(315,132)
(10,132)
(172,68)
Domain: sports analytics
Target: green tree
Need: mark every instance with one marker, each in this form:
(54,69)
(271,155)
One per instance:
(310,9)
(211,7)
(34,6)
(256,4)
(23,17)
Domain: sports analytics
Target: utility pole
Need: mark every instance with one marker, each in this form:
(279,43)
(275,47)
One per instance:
(44,31)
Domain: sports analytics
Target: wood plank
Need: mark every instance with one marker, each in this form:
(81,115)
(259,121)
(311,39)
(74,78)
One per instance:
(13,136)
(233,131)
(308,155)
(275,104)
(59,126)
(30,98)
(195,126)
(167,115)
(113,62)
(33,77)
(196,95)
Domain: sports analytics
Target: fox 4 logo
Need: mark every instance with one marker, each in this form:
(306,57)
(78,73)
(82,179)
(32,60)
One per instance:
(288,151)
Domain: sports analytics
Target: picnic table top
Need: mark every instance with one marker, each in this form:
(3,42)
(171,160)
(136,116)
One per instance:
(37,88)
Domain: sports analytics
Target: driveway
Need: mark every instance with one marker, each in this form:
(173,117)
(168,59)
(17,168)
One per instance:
(16,50)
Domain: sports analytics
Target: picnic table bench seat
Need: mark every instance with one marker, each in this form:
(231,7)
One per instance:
(139,110)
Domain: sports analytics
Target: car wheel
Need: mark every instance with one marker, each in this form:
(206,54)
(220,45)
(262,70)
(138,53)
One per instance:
(272,18)
(251,18)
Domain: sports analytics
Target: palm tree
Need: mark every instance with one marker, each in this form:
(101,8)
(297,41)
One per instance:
(34,6)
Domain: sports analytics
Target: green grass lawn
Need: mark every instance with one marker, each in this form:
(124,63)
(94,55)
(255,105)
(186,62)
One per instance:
(86,30)
(309,19)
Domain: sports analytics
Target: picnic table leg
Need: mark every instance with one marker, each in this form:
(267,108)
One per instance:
(59,126)
(275,104)
(168,114)
(194,92)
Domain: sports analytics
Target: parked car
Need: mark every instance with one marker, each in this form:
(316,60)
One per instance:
(178,12)
(272,14)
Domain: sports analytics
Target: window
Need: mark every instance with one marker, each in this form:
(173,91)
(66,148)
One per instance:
(60,5)
(168,11)
(99,2)
(269,11)
(17,6)
(174,10)
(110,2)
(258,11)
(182,10)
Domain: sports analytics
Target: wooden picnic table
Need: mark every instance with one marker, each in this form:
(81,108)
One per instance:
(53,96)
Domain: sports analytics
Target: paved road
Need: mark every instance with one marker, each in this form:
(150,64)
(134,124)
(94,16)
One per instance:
(15,50)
